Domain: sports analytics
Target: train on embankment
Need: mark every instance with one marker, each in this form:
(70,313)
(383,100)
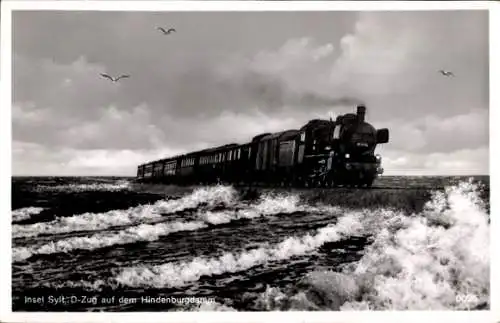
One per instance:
(323,153)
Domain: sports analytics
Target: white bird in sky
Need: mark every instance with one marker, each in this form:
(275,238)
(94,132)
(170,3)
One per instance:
(116,79)
(446,73)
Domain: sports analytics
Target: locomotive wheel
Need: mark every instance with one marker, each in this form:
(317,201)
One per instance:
(368,182)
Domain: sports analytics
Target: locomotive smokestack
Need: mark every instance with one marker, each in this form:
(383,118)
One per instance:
(361,113)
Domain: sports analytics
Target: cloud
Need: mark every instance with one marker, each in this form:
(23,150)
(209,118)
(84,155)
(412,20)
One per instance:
(38,160)
(291,76)
(432,134)
(458,162)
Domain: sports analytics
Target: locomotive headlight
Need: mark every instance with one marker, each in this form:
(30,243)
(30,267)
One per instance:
(378,157)
(347,156)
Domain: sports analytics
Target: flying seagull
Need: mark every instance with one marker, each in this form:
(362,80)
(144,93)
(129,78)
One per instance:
(114,79)
(446,73)
(166,31)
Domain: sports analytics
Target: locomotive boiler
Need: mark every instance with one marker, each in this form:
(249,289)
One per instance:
(323,153)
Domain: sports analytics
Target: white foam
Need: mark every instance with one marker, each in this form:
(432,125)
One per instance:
(88,221)
(430,265)
(268,205)
(213,307)
(25,213)
(178,274)
(418,262)
(143,232)
(282,203)
(99,221)
(212,196)
(118,186)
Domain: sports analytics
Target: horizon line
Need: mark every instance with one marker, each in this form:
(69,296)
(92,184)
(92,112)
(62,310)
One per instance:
(134,176)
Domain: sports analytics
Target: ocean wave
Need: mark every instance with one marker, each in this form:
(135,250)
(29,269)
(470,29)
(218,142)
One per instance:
(142,213)
(178,274)
(436,260)
(121,185)
(143,232)
(25,213)
(430,260)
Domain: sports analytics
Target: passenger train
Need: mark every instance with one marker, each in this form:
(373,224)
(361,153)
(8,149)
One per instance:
(323,153)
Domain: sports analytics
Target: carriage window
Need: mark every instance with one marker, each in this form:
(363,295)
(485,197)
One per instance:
(336,132)
(303,136)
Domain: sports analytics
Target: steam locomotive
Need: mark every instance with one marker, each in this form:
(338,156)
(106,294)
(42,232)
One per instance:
(323,153)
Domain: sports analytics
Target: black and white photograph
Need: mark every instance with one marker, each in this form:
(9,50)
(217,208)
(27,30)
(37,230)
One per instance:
(249,161)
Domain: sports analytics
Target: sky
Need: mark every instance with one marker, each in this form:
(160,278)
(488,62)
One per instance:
(224,77)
